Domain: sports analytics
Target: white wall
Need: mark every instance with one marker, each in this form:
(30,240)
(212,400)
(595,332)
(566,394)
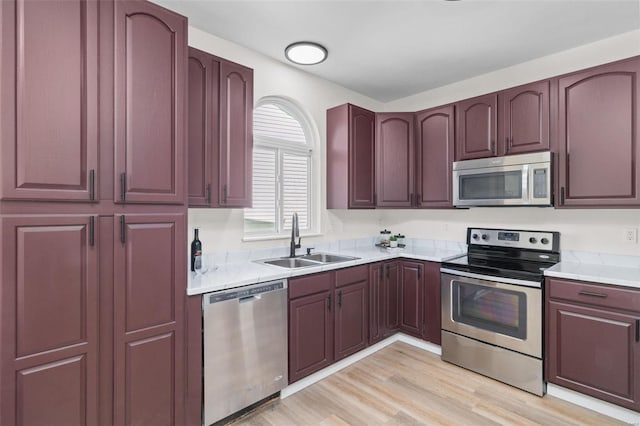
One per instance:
(588,230)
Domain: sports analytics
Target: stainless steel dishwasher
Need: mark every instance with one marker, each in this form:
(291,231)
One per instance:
(245,347)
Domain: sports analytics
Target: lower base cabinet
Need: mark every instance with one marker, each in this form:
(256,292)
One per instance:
(328,319)
(593,340)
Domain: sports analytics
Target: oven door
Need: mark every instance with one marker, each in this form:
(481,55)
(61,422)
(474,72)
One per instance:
(494,312)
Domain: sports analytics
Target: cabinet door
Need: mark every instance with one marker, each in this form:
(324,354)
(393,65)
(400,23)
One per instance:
(594,351)
(49,105)
(202,128)
(411,298)
(434,157)
(310,334)
(524,119)
(351,321)
(394,157)
(599,154)
(361,158)
(49,297)
(377,303)
(150,85)
(477,121)
(236,134)
(392,296)
(149,296)
(432,304)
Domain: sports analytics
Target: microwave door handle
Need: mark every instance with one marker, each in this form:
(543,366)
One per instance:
(526,183)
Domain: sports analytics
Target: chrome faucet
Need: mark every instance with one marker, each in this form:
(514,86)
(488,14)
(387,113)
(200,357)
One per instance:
(295,232)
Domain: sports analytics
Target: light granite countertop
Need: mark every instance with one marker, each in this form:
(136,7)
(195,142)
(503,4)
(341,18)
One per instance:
(241,269)
(598,268)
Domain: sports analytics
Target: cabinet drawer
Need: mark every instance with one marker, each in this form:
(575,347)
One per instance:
(309,284)
(351,275)
(594,294)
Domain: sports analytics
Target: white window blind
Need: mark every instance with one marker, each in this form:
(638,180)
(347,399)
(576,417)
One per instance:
(281,172)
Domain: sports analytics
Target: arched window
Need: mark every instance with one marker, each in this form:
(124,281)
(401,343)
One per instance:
(282,170)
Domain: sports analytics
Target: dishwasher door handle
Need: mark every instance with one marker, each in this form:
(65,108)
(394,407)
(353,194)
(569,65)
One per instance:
(250,298)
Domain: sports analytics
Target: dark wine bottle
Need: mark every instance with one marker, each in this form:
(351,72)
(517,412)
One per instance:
(196,253)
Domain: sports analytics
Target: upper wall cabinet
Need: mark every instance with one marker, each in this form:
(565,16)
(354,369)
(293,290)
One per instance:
(477,121)
(599,156)
(49,105)
(150,78)
(350,157)
(524,119)
(435,129)
(394,157)
(236,134)
(220,135)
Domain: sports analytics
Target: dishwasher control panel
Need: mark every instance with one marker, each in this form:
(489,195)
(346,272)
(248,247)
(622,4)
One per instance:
(244,292)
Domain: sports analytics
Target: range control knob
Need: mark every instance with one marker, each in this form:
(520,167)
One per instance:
(485,237)
(533,240)
(475,237)
(544,241)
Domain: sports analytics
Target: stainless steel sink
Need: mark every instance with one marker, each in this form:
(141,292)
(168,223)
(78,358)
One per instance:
(288,262)
(328,258)
(316,259)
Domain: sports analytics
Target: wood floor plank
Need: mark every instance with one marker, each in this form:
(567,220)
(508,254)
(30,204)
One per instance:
(404,385)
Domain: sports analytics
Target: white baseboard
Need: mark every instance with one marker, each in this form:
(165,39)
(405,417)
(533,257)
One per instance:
(568,395)
(594,404)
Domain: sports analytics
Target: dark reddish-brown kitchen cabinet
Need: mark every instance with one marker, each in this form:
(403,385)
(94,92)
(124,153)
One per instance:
(592,340)
(49,316)
(351,317)
(49,105)
(432,304)
(220,135)
(377,302)
(350,157)
(392,295)
(149,299)
(311,313)
(598,149)
(411,297)
(477,127)
(150,79)
(236,135)
(524,119)
(435,143)
(203,128)
(394,159)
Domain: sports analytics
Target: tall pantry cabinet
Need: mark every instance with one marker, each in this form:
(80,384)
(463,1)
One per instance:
(92,213)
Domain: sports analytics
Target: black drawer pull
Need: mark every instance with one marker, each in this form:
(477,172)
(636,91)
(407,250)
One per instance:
(592,294)
(329,303)
(638,330)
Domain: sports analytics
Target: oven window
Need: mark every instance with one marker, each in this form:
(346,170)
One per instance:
(493,309)
(491,186)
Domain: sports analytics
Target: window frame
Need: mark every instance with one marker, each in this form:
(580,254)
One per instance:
(310,131)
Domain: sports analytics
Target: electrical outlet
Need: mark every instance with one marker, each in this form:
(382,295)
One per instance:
(631,235)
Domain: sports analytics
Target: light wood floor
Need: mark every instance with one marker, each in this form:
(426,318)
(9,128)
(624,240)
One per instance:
(401,384)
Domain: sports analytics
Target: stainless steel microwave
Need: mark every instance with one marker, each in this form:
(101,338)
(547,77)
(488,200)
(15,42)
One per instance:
(514,180)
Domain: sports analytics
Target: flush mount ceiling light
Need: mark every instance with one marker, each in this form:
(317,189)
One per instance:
(305,53)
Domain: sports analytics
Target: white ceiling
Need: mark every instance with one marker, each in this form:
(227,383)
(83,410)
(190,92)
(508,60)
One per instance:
(391,49)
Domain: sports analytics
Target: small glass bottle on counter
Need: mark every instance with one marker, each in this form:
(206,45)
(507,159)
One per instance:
(383,240)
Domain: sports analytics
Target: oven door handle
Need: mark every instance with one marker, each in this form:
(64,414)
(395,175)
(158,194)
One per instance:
(534,284)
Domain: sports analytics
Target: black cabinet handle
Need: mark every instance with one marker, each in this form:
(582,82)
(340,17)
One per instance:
(340,299)
(329,303)
(224,194)
(381,271)
(592,294)
(92,183)
(562,196)
(91,230)
(638,330)
(411,199)
(419,272)
(123,185)
(506,144)
(208,193)
(122,230)
(493,146)
(375,199)
(388,271)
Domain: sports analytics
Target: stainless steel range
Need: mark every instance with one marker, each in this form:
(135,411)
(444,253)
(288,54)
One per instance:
(492,305)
